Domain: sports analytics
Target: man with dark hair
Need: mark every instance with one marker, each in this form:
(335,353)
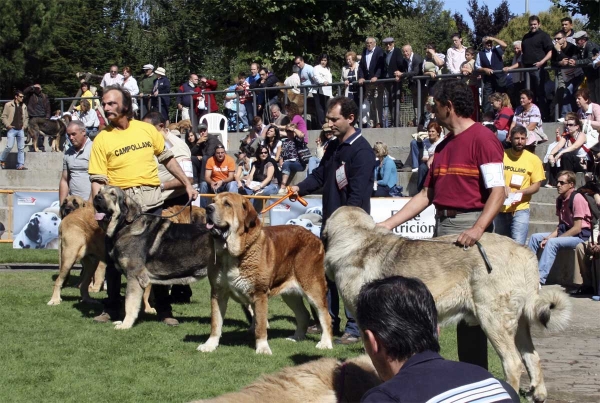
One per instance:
(466,185)
(537,50)
(588,51)
(569,79)
(251,79)
(523,175)
(345,174)
(567,28)
(16,120)
(398,322)
(123,155)
(488,61)
(218,175)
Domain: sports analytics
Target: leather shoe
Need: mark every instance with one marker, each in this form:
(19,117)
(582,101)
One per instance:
(347,339)
(170,321)
(314,329)
(104,317)
(583,290)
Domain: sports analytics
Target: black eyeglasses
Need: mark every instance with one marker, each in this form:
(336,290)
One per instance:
(560,183)
(558,39)
(571,124)
(264,152)
(113,71)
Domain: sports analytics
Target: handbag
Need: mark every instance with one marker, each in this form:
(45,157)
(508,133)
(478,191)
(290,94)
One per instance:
(591,135)
(304,154)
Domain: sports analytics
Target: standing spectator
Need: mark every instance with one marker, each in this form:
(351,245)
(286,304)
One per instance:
(112,77)
(38,109)
(269,97)
(569,79)
(16,120)
(75,179)
(570,149)
(588,51)
(137,174)
(322,75)
(291,162)
(574,224)
(251,100)
(435,136)
(131,85)
(398,323)
(504,114)
(235,102)
(370,68)
(146,87)
(589,112)
(523,174)
(279,119)
(488,63)
(162,85)
(293,114)
(187,102)
(294,79)
(413,66)
(529,116)
(393,65)
(346,176)
(515,80)
(455,55)
(307,77)
(350,76)
(537,50)
(567,29)
(385,175)
(219,175)
(466,202)
(209,100)
(89,118)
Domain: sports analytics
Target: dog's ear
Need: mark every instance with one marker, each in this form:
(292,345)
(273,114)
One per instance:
(130,208)
(62,208)
(251,215)
(33,230)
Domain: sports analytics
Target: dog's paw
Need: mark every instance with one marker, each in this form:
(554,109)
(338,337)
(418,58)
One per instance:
(121,326)
(94,288)
(291,338)
(262,347)
(324,345)
(151,311)
(208,347)
(54,301)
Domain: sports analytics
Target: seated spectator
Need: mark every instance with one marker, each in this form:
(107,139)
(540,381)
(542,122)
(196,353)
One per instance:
(278,118)
(293,113)
(202,147)
(196,155)
(244,164)
(219,175)
(324,137)
(57,115)
(89,118)
(272,141)
(488,118)
(570,150)
(259,129)
(589,251)
(398,324)
(504,113)
(385,172)
(435,136)
(588,111)
(291,163)
(529,116)
(574,225)
(263,177)
(552,168)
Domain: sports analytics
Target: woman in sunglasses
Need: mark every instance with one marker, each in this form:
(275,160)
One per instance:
(573,157)
(264,177)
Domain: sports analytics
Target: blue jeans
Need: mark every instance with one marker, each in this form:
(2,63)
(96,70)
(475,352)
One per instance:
(416,150)
(313,162)
(568,100)
(267,191)
(205,189)
(514,225)
(20,136)
(550,250)
(333,302)
(291,166)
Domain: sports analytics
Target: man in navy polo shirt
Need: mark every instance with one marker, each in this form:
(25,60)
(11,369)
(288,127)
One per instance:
(398,322)
(346,175)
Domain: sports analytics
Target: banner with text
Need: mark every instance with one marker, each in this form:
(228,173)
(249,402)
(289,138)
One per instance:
(35,220)
(420,227)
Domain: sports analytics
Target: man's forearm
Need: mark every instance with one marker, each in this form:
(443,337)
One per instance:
(414,206)
(491,208)
(63,190)
(173,167)
(575,229)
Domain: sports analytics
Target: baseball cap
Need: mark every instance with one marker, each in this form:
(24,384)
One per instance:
(202,126)
(148,67)
(388,40)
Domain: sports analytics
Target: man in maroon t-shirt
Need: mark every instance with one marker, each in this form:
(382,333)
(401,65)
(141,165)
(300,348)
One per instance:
(465,184)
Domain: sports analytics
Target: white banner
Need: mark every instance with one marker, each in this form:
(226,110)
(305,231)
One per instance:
(420,227)
(35,220)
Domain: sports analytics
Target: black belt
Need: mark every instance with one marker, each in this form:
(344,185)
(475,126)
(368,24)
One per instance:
(451,213)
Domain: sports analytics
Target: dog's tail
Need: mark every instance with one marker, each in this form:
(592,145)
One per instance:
(551,308)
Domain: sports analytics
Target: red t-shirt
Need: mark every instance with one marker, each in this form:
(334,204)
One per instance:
(455,174)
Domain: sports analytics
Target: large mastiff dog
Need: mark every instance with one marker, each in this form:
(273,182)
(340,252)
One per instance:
(258,263)
(325,381)
(505,301)
(149,249)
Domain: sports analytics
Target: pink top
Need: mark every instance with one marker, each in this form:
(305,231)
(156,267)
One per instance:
(299,121)
(580,210)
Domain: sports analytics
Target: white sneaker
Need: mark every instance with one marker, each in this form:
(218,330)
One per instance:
(414,170)
(561,120)
(282,191)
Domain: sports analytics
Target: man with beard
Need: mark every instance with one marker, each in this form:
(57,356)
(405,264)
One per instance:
(523,176)
(123,155)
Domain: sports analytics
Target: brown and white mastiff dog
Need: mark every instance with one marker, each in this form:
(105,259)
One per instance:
(258,263)
(505,301)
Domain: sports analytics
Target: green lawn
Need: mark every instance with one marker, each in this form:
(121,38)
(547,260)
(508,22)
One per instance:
(10,255)
(58,354)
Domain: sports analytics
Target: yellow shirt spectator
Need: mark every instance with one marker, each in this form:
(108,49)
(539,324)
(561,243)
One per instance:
(519,173)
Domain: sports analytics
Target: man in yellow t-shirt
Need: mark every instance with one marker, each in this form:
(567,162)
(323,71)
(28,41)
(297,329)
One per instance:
(219,175)
(523,175)
(123,155)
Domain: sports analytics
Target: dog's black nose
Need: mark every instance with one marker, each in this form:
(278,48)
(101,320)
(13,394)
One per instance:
(210,208)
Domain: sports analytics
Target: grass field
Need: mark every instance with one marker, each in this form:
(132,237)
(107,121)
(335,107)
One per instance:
(10,255)
(58,354)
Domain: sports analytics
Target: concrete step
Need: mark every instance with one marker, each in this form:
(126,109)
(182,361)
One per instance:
(541,226)
(42,179)
(542,212)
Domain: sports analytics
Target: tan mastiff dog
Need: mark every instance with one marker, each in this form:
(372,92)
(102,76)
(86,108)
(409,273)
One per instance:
(258,263)
(504,298)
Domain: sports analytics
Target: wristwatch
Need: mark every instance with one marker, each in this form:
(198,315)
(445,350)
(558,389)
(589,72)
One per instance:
(162,187)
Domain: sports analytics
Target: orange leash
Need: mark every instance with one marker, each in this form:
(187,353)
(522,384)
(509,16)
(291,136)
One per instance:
(290,195)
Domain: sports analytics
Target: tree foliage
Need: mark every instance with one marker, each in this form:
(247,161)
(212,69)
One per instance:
(587,8)
(486,23)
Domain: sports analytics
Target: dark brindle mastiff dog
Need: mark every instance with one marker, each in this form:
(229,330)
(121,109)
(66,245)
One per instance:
(149,249)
